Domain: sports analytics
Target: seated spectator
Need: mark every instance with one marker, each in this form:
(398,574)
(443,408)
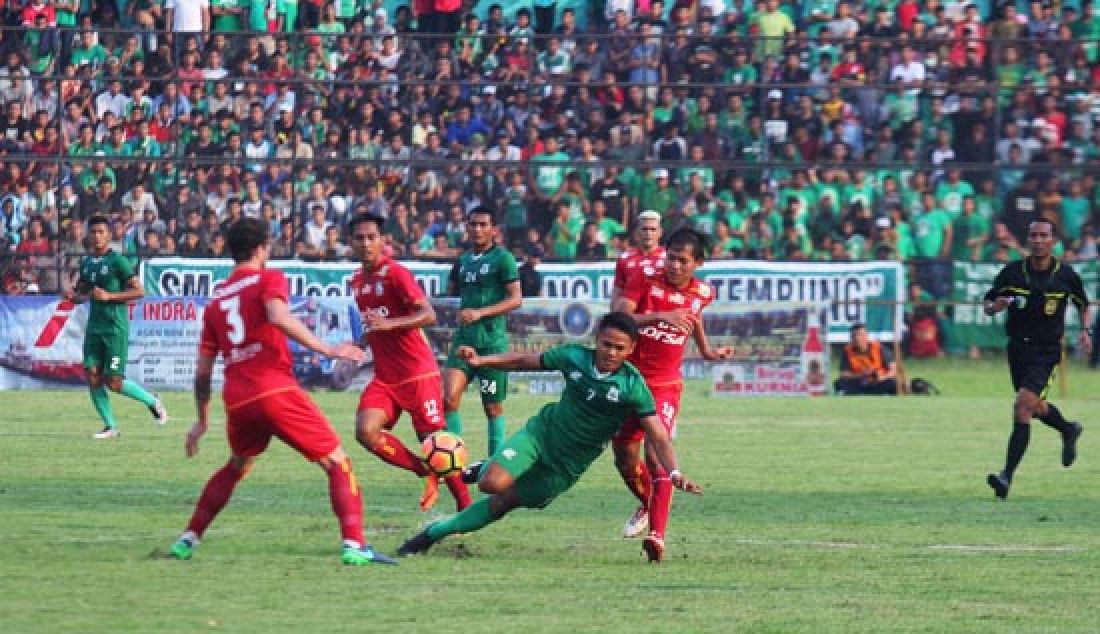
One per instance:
(866,367)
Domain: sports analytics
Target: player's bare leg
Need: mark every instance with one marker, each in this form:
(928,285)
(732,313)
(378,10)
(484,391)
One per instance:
(502,499)
(97,391)
(215,495)
(372,433)
(454,383)
(636,475)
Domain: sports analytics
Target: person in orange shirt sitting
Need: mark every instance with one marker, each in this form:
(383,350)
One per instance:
(866,367)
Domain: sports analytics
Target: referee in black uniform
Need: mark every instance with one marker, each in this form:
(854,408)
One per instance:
(1036,291)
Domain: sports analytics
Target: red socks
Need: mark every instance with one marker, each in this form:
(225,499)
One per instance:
(392,450)
(661,503)
(215,495)
(640,484)
(347,500)
(458,490)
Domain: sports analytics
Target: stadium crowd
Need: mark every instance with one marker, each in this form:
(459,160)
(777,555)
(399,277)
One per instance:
(814,130)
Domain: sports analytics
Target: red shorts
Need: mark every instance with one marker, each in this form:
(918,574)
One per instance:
(289,415)
(667,399)
(421,397)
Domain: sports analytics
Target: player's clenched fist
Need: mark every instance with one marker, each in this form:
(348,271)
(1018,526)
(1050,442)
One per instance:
(468,354)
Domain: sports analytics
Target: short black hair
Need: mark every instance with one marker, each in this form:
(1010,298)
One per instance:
(98,219)
(484,210)
(245,236)
(859,325)
(688,237)
(620,321)
(360,218)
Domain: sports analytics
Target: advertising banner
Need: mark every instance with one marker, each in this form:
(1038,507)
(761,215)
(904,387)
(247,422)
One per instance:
(41,342)
(845,293)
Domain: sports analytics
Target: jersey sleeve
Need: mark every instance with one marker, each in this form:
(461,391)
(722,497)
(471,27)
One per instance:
(407,289)
(620,273)
(642,399)
(274,286)
(509,271)
(558,358)
(123,269)
(634,286)
(1077,293)
(208,340)
(999,284)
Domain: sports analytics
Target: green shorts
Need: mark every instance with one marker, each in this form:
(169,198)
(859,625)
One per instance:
(491,384)
(107,352)
(537,482)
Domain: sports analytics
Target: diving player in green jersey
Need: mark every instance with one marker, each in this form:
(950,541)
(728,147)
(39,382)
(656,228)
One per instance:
(108,279)
(487,281)
(548,456)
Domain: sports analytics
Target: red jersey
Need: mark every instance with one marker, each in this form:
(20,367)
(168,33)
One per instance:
(660,348)
(633,259)
(391,291)
(257,357)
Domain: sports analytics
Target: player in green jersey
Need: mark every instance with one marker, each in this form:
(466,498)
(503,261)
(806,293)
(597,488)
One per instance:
(108,279)
(558,444)
(487,281)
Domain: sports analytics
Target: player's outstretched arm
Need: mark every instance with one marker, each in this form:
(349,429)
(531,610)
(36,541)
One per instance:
(204,370)
(506,361)
(278,313)
(657,437)
(708,353)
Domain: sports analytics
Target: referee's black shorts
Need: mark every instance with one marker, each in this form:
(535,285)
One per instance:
(1032,365)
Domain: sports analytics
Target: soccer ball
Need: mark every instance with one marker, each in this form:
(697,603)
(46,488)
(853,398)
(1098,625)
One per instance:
(444,452)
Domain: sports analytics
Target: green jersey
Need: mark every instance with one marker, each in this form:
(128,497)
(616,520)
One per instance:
(112,273)
(576,429)
(482,281)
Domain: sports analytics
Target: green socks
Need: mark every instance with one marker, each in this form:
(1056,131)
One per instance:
(138,393)
(103,406)
(454,422)
(496,434)
(475,517)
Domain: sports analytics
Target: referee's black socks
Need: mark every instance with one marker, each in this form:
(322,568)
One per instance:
(1053,418)
(1017,446)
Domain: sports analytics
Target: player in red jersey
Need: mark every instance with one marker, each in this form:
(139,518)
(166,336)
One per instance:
(248,321)
(406,375)
(648,256)
(668,307)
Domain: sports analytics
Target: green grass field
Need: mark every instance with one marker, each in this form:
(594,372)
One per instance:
(820,515)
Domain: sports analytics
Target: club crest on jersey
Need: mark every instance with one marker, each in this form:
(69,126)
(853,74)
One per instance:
(485,268)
